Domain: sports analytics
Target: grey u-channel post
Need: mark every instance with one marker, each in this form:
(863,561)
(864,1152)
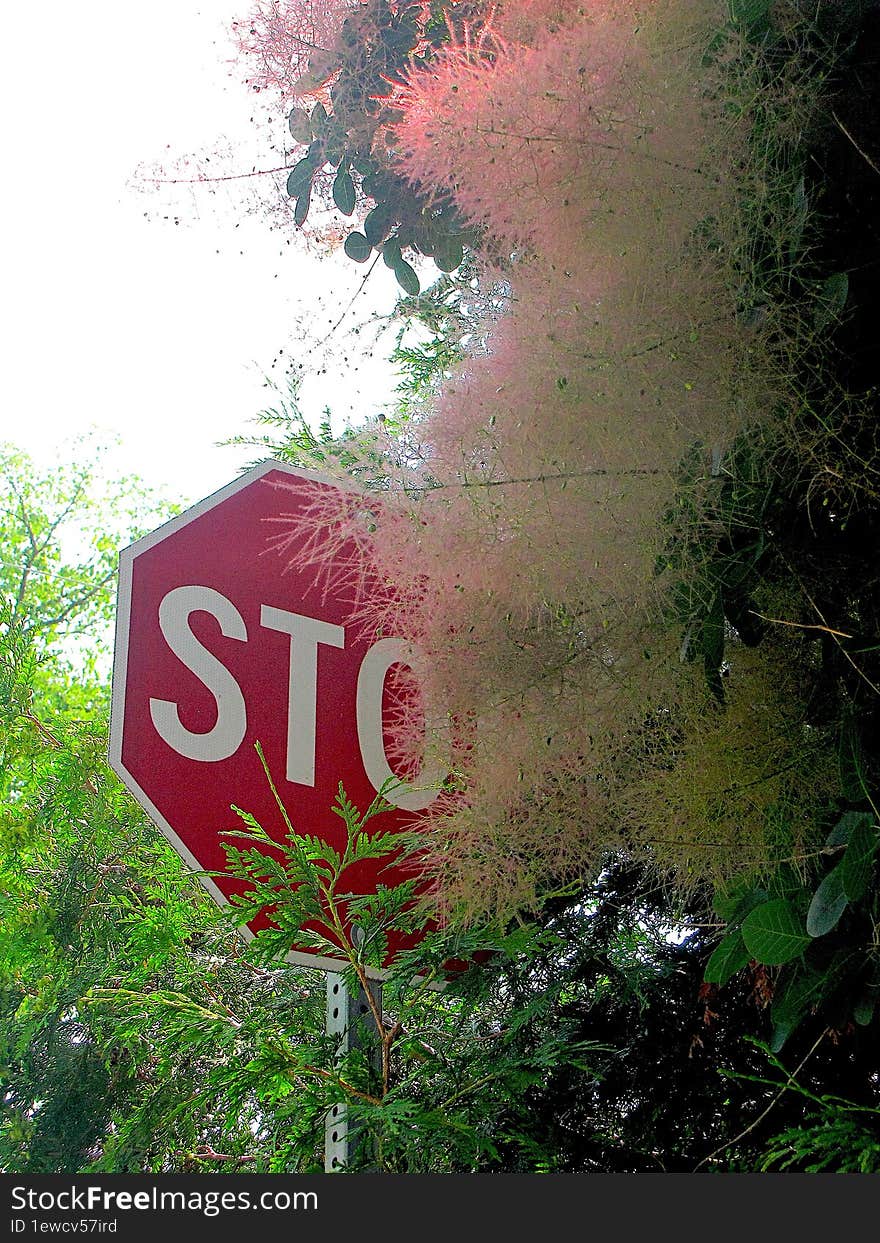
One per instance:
(350,1020)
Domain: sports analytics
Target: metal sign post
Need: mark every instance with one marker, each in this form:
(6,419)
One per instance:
(350,1020)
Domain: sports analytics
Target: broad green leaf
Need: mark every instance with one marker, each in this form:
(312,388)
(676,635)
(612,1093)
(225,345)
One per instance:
(863,1010)
(730,956)
(300,178)
(343,192)
(357,247)
(801,988)
(302,206)
(774,934)
(855,866)
(391,252)
(448,253)
(749,13)
(735,904)
(833,293)
(797,987)
(407,278)
(846,826)
(828,904)
(317,119)
(377,224)
(299,126)
(850,760)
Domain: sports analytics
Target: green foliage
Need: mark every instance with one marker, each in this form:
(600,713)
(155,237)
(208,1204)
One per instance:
(60,534)
(374,48)
(835,1135)
(773,933)
(87,894)
(831,966)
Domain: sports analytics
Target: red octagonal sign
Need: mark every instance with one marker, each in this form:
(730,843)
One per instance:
(222,643)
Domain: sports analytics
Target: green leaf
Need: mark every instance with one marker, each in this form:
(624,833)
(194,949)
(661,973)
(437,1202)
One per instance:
(774,934)
(730,956)
(407,278)
(391,252)
(298,124)
(800,985)
(317,119)
(750,13)
(850,760)
(803,988)
(735,904)
(828,904)
(343,192)
(833,293)
(302,207)
(448,253)
(300,178)
(845,827)
(863,1010)
(855,866)
(357,247)
(377,224)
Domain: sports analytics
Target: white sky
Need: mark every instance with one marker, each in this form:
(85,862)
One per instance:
(116,319)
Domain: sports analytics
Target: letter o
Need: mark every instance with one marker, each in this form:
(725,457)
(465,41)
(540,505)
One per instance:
(374,668)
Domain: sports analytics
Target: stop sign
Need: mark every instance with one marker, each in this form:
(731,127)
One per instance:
(223,643)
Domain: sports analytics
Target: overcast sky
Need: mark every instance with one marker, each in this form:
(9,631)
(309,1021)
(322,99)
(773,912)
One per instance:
(119,319)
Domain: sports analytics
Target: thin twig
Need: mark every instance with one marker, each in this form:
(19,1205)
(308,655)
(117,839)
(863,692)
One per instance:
(354,298)
(779,621)
(862,153)
(760,1118)
(187,181)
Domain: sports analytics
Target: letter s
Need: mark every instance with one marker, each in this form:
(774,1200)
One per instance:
(229,730)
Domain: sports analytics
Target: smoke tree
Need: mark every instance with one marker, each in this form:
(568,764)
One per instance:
(599,154)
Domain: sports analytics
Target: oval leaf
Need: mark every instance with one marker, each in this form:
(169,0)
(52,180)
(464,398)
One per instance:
(357,247)
(735,904)
(302,206)
(300,178)
(730,956)
(833,294)
(377,224)
(343,192)
(317,118)
(774,934)
(855,866)
(863,1010)
(391,253)
(298,124)
(448,253)
(845,827)
(828,904)
(407,278)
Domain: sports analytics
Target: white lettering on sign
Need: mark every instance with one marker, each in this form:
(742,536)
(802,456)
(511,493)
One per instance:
(306,634)
(371,683)
(302,695)
(229,730)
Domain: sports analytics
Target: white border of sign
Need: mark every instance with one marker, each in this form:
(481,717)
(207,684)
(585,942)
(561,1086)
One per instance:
(120,671)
